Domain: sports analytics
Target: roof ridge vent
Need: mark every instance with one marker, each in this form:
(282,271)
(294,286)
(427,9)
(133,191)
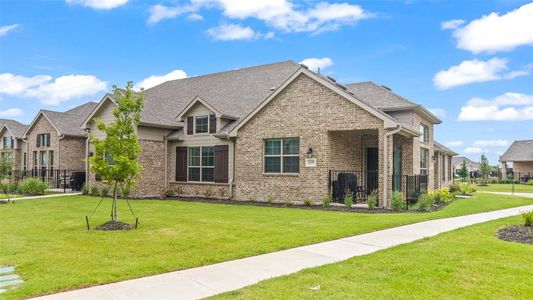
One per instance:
(386,87)
(304,65)
(342,86)
(331,78)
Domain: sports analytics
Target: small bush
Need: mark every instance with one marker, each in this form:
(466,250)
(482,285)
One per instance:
(307,202)
(348,199)
(104,191)
(179,191)
(94,190)
(84,189)
(373,200)
(32,186)
(530,182)
(252,199)
(468,189)
(528,218)
(425,202)
(327,200)
(208,192)
(398,201)
(9,187)
(454,188)
(169,192)
(287,202)
(125,191)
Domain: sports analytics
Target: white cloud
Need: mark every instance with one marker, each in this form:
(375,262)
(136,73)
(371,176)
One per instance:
(154,80)
(491,143)
(506,107)
(439,112)
(452,24)
(195,17)
(278,14)
(475,150)
(314,63)
(42,88)
(232,32)
(7,28)
(495,32)
(454,143)
(11,112)
(470,71)
(99,4)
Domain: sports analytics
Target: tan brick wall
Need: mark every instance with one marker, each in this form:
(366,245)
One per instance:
(521,167)
(71,154)
(308,110)
(204,190)
(40,126)
(417,120)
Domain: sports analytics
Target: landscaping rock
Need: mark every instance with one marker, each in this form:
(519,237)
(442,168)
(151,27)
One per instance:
(115,225)
(516,233)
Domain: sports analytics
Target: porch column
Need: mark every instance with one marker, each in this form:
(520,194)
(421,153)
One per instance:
(385,168)
(503,166)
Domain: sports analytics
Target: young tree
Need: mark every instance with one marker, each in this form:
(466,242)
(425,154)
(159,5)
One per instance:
(463,171)
(484,169)
(115,157)
(6,165)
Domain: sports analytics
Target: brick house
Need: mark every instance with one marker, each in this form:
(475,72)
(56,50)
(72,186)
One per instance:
(519,159)
(56,141)
(12,146)
(278,131)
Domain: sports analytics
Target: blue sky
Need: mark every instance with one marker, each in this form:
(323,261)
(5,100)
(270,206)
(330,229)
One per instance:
(472,62)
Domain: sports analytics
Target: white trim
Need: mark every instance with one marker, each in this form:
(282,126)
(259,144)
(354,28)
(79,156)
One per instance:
(201,165)
(388,121)
(281,155)
(197,99)
(41,112)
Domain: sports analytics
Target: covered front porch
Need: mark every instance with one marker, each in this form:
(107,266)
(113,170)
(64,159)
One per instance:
(369,161)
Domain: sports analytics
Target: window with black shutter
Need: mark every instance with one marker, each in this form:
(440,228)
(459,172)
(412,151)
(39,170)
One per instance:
(221,163)
(190,125)
(181,163)
(212,124)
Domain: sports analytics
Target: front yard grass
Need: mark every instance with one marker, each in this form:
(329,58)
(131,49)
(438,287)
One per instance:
(46,239)
(468,263)
(497,187)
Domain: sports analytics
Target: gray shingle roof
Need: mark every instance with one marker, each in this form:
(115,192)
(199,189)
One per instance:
(379,96)
(519,151)
(458,160)
(234,93)
(69,122)
(16,128)
(441,148)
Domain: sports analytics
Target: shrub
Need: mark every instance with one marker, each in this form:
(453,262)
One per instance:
(84,189)
(9,187)
(454,188)
(169,192)
(32,186)
(208,192)
(398,201)
(372,200)
(425,202)
(271,199)
(530,182)
(528,218)
(307,202)
(287,202)
(179,190)
(104,191)
(327,200)
(468,189)
(94,190)
(348,200)
(125,191)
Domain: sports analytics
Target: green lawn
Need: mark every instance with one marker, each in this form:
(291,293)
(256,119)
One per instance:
(469,263)
(46,239)
(519,188)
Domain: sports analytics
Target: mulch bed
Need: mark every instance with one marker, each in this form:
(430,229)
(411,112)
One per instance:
(115,225)
(516,233)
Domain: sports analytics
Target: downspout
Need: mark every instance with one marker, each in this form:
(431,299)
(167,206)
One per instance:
(59,151)
(233,172)
(87,141)
(385,163)
(166,158)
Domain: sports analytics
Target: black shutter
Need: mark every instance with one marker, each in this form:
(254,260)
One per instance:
(48,140)
(212,124)
(38,142)
(221,163)
(190,125)
(181,163)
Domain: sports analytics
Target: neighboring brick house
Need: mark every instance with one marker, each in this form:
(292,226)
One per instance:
(56,140)
(443,165)
(518,158)
(276,131)
(472,166)
(12,146)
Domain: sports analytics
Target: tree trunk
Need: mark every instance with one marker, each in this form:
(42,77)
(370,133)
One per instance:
(115,202)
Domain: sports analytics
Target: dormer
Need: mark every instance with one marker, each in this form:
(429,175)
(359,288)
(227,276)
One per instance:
(201,118)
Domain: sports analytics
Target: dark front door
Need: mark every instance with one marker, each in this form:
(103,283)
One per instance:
(371,169)
(397,169)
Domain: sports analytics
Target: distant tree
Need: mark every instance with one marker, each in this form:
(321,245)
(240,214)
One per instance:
(484,169)
(463,171)
(116,156)
(6,172)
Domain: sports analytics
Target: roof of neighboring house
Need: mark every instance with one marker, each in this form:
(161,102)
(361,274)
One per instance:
(383,98)
(458,160)
(68,122)
(519,151)
(441,148)
(16,128)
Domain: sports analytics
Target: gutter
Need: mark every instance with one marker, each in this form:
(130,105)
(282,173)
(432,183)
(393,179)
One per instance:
(385,163)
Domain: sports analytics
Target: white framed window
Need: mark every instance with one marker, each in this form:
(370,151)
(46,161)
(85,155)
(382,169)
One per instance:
(201,164)
(8,142)
(282,156)
(424,157)
(201,124)
(424,129)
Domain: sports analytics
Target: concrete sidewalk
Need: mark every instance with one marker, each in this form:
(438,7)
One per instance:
(223,277)
(521,194)
(45,196)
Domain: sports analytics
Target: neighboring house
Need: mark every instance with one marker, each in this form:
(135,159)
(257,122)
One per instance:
(443,165)
(56,140)
(519,157)
(276,131)
(472,166)
(12,145)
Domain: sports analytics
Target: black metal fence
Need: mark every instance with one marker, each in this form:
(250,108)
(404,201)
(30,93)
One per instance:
(413,186)
(58,181)
(522,177)
(358,183)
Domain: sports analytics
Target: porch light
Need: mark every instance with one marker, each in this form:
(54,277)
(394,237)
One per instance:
(309,152)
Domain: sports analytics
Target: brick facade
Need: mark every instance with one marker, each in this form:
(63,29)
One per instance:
(42,125)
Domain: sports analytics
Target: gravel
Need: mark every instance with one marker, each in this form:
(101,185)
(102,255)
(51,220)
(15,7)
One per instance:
(516,233)
(115,225)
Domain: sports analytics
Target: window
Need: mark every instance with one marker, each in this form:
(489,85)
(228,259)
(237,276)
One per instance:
(6,156)
(201,164)
(43,140)
(44,159)
(282,155)
(202,124)
(424,138)
(443,171)
(25,161)
(35,161)
(424,157)
(51,162)
(8,142)
(449,168)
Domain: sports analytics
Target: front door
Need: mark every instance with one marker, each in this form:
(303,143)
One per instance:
(371,168)
(397,169)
